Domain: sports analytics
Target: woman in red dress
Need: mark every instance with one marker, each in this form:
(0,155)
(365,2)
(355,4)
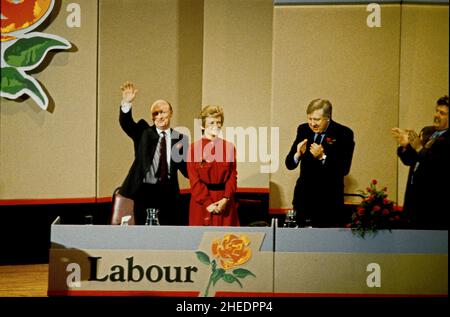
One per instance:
(212,174)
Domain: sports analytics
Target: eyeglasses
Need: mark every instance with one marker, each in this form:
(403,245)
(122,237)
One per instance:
(162,113)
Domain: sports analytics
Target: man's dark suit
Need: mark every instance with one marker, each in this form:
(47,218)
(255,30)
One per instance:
(165,197)
(319,192)
(426,202)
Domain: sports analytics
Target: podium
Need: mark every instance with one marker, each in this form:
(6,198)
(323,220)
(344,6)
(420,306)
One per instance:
(335,262)
(102,260)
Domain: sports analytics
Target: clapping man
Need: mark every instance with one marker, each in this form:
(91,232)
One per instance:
(425,200)
(324,150)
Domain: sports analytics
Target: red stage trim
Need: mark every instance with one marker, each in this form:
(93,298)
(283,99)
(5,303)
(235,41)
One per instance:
(278,211)
(185,191)
(57,201)
(104,199)
(123,293)
(234,294)
(244,294)
(253,190)
(47,201)
(357,295)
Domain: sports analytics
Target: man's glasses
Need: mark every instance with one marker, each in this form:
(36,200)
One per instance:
(162,113)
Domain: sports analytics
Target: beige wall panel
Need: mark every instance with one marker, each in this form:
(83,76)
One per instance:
(141,41)
(330,52)
(424,69)
(51,154)
(237,69)
(190,64)
(175,48)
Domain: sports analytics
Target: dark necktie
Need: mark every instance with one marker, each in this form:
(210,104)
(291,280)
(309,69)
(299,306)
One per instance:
(318,138)
(163,168)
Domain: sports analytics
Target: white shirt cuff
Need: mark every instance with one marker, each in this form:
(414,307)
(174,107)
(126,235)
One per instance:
(125,106)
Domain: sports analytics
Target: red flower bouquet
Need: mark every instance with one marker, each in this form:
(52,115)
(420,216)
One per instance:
(375,212)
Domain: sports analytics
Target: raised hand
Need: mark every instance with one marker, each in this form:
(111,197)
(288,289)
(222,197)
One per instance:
(301,147)
(401,136)
(414,140)
(128,92)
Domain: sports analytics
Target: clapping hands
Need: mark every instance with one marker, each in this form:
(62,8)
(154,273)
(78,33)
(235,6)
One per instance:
(407,136)
(301,148)
(315,149)
(401,136)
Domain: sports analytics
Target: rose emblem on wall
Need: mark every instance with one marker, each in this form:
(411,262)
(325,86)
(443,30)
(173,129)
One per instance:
(23,50)
(229,253)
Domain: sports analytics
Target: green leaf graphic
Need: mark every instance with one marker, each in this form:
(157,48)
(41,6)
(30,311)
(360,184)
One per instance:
(13,82)
(28,52)
(241,273)
(203,257)
(230,279)
(217,275)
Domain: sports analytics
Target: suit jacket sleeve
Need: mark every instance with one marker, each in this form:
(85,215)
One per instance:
(407,155)
(290,162)
(131,128)
(128,125)
(438,153)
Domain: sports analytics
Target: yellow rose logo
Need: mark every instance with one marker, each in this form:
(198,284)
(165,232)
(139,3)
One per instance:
(231,251)
(19,16)
(22,51)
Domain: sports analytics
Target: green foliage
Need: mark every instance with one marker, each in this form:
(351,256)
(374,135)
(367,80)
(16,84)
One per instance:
(230,278)
(27,52)
(24,54)
(375,212)
(218,273)
(14,83)
(241,273)
(203,257)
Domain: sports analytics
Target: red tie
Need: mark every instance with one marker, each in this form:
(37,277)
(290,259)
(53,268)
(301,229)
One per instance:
(163,168)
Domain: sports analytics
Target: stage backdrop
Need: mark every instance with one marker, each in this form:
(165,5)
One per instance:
(263,61)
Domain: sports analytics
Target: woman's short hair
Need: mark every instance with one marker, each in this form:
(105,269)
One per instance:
(318,104)
(211,111)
